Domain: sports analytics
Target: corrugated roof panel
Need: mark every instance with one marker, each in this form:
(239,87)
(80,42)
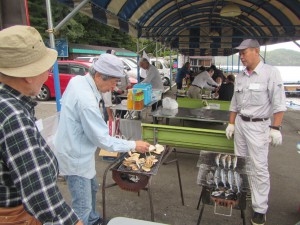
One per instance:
(129,8)
(115,6)
(269,21)
(102,3)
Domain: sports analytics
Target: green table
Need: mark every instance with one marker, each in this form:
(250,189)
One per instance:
(198,103)
(194,114)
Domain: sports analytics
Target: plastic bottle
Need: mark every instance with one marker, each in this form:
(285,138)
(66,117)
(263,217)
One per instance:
(130,99)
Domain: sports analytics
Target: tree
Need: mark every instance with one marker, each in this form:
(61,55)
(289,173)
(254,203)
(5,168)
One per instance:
(80,29)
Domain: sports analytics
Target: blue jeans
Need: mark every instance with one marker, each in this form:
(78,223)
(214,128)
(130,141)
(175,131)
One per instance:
(83,192)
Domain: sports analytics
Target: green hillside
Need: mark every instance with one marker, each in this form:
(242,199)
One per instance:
(283,57)
(279,57)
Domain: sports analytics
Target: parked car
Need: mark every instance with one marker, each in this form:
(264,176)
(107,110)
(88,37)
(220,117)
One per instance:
(130,66)
(67,70)
(90,59)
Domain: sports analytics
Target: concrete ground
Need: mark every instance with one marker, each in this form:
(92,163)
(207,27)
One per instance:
(284,199)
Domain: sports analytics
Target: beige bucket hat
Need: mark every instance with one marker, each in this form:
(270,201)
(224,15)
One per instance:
(23,52)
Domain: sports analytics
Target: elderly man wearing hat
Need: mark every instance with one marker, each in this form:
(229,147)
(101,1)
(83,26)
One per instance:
(82,129)
(258,94)
(28,168)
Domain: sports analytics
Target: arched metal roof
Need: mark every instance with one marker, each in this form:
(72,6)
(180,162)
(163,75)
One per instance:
(187,25)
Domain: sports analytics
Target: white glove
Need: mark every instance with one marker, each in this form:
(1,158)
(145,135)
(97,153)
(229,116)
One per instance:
(229,130)
(275,137)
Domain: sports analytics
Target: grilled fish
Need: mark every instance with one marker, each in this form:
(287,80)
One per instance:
(228,159)
(237,179)
(217,159)
(230,179)
(223,177)
(234,162)
(224,160)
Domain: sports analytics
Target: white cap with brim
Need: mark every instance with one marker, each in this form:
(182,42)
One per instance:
(109,65)
(248,43)
(23,52)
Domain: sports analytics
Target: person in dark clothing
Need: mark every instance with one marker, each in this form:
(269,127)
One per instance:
(217,73)
(226,90)
(182,72)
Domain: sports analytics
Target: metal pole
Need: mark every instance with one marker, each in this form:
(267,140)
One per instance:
(171,78)
(227,61)
(156,52)
(71,15)
(138,60)
(239,62)
(177,61)
(265,54)
(232,63)
(55,66)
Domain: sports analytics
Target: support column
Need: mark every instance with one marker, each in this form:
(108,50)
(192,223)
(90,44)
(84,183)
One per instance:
(171,77)
(138,59)
(55,66)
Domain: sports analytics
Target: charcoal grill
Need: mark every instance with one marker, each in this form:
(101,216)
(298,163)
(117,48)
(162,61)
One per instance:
(207,163)
(142,180)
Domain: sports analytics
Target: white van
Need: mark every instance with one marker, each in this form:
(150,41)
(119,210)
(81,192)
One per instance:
(130,67)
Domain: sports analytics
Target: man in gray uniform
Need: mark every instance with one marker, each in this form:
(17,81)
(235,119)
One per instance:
(202,82)
(258,94)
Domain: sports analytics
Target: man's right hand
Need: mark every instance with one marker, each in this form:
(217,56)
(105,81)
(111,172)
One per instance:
(142,146)
(229,130)
(79,223)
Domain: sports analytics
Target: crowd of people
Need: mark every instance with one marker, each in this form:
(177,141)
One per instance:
(210,80)
(29,168)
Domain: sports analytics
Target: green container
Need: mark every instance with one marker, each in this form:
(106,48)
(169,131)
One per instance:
(199,103)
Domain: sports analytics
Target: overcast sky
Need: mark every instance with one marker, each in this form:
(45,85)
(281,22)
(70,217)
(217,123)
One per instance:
(287,45)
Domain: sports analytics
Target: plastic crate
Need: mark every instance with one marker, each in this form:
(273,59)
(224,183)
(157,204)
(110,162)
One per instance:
(147,89)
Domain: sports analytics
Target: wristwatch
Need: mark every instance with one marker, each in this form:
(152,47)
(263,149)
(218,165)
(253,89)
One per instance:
(276,127)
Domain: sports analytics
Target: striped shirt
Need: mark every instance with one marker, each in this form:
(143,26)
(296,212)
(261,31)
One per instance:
(28,168)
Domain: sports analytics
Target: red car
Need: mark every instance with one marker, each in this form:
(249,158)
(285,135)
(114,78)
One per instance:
(67,70)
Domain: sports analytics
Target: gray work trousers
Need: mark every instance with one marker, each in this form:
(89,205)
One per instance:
(252,139)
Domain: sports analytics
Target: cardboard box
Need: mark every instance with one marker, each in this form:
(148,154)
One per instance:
(108,156)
